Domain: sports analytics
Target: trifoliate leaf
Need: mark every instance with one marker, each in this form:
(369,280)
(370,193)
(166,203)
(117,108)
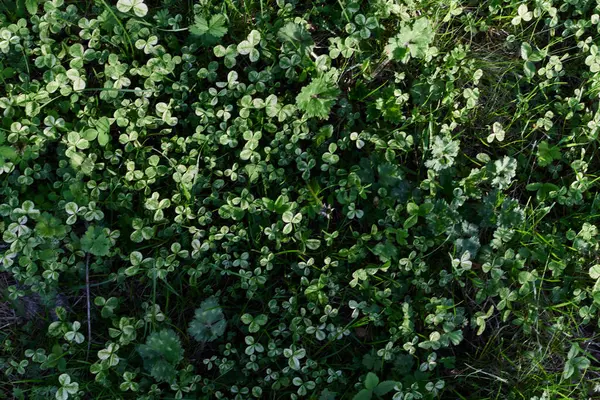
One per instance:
(498,133)
(139,8)
(103,128)
(546,153)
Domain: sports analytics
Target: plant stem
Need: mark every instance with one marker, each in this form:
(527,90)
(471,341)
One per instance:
(87,295)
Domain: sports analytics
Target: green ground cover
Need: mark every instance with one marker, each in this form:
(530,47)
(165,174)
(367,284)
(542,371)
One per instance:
(238,199)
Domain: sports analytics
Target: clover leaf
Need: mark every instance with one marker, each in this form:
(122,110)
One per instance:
(139,8)
(248,46)
(546,154)
(254,323)
(66,388)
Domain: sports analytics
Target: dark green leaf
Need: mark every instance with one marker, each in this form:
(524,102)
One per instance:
(32,6)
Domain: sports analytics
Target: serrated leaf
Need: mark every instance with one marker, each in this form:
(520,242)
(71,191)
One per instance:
(295,34)
(413,40)
(96,242)
(317,98)
(161,353)
(8,152)
(209,321)
(455,337)
(214,27)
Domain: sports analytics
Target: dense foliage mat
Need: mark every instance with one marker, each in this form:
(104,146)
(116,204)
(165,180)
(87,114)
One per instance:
(238,199)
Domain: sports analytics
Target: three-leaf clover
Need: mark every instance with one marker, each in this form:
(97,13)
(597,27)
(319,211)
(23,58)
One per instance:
(354,212)
(6,39)
(147,45)
(254,322)
(74,335)
(543,189)
(228,53)
(593,60)
(415,211)
(247,47)
(463,263)
(76,79)
(523,14)
(71,209)
(374,386)
(128,383)
(108,306)
(66,387)
(108,356)
(575,362)
(290,220)
(497,133)
(480,319)
(141,232)
(472,96)
(253,346)
(329,156)
(546,153)
(294,356)
(18,366)
(138,7)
